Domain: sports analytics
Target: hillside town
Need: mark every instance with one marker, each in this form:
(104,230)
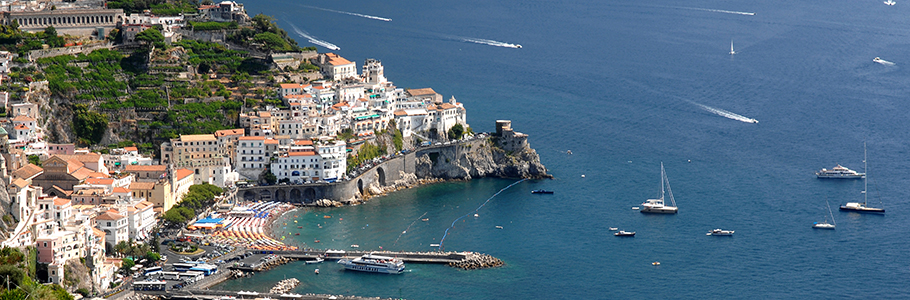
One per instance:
(71,201)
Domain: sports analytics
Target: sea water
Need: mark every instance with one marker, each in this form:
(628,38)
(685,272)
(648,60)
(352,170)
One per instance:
(624,86)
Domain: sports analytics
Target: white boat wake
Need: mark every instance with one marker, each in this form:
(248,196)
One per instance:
(350,13)
(724,113)
(490,42)
(882,61)
(313,40)
(744,13)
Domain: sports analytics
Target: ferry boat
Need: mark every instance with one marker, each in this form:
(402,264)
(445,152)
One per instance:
(721,232)
(839,172)
(374,263)
(541,192)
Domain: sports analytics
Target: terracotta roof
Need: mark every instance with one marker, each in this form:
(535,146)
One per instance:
(299,96)
(19,183)
(302,153)
(100,181)
(98,232)
(20,127)
(227,132)
(291,86)
(143,205)
(130,149)
(271,141)
(197,137)
(183,173)
(61,201)
(109,216)
(121,190)
(448,106)
(303,142)
(28,171)
(151,168)
(23,118)
(421,92)
(252,138)
(142,185)
(401,113)
(265,114)
(336,60)
(363,100)
(98,175)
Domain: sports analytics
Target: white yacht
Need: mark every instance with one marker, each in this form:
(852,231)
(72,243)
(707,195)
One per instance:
(624,233)
(839,172)
(657,206)
(720,232)
(861,207)
(374,263)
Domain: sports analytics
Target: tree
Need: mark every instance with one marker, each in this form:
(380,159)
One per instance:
(263,23)
(89,125)
(152,256)
(127,264)
(151,37)
(11,275)
(456,132)
(35,160)
(51,38)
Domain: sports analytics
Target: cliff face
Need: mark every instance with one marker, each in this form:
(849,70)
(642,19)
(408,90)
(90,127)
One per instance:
(485,157)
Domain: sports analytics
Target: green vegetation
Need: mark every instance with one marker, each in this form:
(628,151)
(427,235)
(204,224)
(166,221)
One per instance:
(23,284)
(366,152)
(133,6)
(151,37)
(98,80)
(34,159)
(89,125)
(173,9)
(456,132)
(199,197)
(211,26)
(266,35)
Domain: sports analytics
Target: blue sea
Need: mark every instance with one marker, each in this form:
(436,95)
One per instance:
(626,85)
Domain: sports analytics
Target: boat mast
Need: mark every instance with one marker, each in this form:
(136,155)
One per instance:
(663,178)
(829,212)
(866,171)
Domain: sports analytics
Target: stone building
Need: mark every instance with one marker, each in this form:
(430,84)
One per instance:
(96,22)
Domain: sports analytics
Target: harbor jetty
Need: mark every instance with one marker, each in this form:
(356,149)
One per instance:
(477,261)
(285,286)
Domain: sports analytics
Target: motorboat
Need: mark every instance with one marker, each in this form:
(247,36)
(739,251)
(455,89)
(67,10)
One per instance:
(613,228)
(721,232)
(861,207)
(541,192)
(731,48)
(839,172)
(316,261)
(355,246)
(374,263)
(657,206)
(889,2)
(624,233)
(498,227)
(316,272)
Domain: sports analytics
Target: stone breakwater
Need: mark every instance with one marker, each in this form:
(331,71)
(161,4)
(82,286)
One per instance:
(478,261)
(285,286)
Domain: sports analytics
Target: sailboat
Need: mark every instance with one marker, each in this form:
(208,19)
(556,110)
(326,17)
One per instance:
(861,207)
(657,206)
(825,225)
(731,48)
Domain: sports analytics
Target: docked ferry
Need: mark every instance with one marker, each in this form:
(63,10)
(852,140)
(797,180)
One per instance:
(374,263)
(839,172)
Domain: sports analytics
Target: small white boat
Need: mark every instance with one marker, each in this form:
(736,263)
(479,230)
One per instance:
(890,2)
(624,233)
(613,228)
(498,227)
(635,208)
(476,215)
(317,272)
(355,246)
(721,232)
(825,224)
(656,263)
(434,245)
(731,47)
(316,261)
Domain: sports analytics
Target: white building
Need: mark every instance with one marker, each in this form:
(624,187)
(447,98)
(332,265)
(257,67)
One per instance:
(335,67)
(115,227)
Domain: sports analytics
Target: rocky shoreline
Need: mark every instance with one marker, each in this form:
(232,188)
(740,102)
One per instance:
(478,261)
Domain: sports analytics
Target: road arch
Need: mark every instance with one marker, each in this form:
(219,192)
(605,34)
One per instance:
(380,173)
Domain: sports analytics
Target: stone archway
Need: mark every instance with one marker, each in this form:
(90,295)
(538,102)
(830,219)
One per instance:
(249,196)
(360,186)
(380,173)
(281,195)
(265,195)
(309,195)
(295,196)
